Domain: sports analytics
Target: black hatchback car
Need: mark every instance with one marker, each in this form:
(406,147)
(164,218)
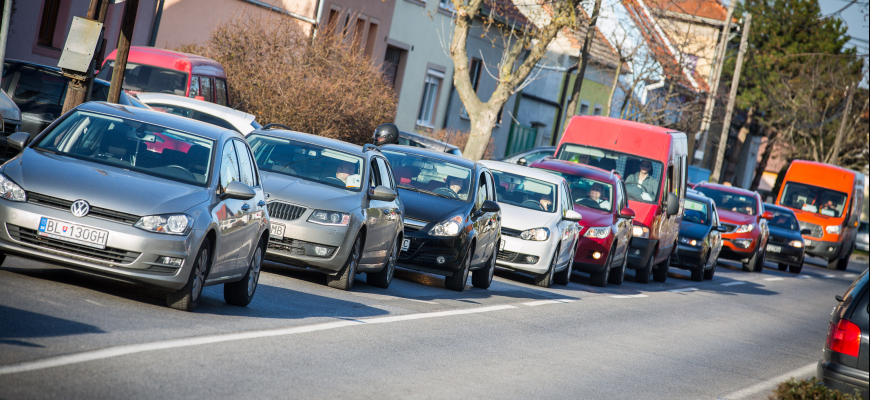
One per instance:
(700,237)
(452,221)
(785,245)
(846,361)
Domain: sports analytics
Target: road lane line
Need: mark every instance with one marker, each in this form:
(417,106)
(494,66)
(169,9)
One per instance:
(691,289)
(773,279)
(92,302)
(850,275)
(828,276)
(770,384)
(542,302)
(123,350)
(734,283)
(804,277)
(628,296)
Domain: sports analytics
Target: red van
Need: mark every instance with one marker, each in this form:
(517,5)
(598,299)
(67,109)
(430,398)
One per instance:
(653,162)
(156,70)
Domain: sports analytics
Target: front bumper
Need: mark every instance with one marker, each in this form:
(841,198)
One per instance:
(584,259)
(688,257)
(424,251)
(731,251)
(787,255)
(843,378)
(131,254)
(512,257)
(300,235)
(826,250)
(639,252)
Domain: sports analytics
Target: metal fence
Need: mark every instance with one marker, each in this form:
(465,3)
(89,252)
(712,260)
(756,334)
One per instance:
(520,138)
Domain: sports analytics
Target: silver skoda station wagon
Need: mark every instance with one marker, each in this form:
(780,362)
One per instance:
(140,196)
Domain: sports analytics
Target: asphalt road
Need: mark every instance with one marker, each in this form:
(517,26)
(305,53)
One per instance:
(64,334)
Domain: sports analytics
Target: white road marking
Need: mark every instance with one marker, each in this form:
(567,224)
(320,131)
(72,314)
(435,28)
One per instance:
(92,302)
(628,296)
(542,302)
(769,384)
(734,283)
(828,276)
(691,289)
(850,275)
(804,277)
(227,337)
(773,279)
(419,301)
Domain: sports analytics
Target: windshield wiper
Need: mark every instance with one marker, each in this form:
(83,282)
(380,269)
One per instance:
(408,187)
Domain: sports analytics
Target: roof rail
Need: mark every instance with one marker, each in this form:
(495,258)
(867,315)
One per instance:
(615,172)
(369,146)
(273,125)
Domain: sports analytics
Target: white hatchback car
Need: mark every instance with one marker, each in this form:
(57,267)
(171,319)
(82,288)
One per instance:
(201,110)
(539,227)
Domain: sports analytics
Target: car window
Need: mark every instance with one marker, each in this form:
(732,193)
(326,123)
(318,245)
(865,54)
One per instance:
(715,214)
(525,192)
(783,219)
(229,165)
(430,175)
(148,78)
(246,166)
(40,86)
(385,173)
(194,87)
(172,109)
(205,89)
(642,175)
(374,175)
(307,161)
(211,119)
(730,201)
(220,91)
(481,192)
(564,199)
(490,187)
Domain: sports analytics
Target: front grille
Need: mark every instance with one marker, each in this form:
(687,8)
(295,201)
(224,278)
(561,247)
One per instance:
(731,227)
(96,212)
(411,228)
(31,237)
(510,232)
(287,245)
(507,256)
(816,229)
(285,211)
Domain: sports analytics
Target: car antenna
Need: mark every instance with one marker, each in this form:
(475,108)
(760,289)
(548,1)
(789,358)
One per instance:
(240,103)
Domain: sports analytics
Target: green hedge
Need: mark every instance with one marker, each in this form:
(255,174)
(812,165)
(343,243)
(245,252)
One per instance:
(810,389)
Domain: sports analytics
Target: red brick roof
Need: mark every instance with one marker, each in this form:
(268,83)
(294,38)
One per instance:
(711,9)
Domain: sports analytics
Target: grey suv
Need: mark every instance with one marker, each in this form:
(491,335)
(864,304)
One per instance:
(138,195)
(333,206)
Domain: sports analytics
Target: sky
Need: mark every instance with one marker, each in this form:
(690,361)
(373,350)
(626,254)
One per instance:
(853,17)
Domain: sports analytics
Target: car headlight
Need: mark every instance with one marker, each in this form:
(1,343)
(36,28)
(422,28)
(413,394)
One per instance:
(600,232)
(690,242)
(833,229)
(10,190)
(745,228)
(329,218)
(173,224)
(640,231)
(449,227)
(796,243)
(539,234)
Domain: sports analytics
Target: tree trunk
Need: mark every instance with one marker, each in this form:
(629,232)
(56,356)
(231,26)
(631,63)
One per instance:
(835,152)
(737,146)
(613,87)
(584,59)
(765,157)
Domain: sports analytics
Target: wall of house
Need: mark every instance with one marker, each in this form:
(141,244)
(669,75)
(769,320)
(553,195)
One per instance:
(368,22)
(424,50)
(693,40)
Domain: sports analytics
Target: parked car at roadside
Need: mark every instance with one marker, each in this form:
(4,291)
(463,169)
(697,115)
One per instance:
(539,230)
(10,122)
(528,157)
(605,232)
(785,245)
(846,360)
(87,194)
(333,205)
(417,140)
(452,221)
(862,241)
(203,111)
(742,212)
(39,91)
(700,237)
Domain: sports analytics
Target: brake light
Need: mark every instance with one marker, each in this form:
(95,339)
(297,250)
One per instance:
(845,338)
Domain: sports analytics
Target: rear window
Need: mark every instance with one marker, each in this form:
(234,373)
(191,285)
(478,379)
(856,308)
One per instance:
(735,202)
(148,78)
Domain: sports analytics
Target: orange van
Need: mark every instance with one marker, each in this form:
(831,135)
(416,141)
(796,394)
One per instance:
(827,201)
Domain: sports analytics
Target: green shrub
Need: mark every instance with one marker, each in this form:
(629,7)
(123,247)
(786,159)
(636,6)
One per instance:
(810,389)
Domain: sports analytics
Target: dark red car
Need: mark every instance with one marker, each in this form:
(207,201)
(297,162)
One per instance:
(605,230)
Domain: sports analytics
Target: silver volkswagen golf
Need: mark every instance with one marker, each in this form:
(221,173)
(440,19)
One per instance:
(140,196)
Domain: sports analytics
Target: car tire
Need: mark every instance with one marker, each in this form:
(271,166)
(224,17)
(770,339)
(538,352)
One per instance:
(661,272)
(545,280)
(482,278)
(344,278)
(782,267)
(2,258)
(843,263)
(698,273)
(708,274)
(642,275)
(616,277)
(749,266)
(186,298)
(384,277)
(459,278)
(600,278)
(242,292)
(795,269)
(563,277)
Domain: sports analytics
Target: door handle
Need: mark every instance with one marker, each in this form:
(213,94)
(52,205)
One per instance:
(261,203)
(246,207)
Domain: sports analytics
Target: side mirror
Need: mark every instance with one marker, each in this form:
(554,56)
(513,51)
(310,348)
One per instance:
(382,193)
(239,191)
(767,215)
(490,206)
(522,161)
(806,232)
(573,216)
(721,228)
(627,213)
(18,140)
(673,205)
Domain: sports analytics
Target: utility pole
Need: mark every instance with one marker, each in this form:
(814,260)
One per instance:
(732,97)
(584,59)
(79,89)
(128,22)
(713,83)
(835,155)
(4,31)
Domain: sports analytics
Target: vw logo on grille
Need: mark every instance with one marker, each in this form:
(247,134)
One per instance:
(80,208)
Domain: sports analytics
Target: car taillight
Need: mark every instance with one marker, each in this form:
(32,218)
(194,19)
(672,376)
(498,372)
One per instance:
(845,338)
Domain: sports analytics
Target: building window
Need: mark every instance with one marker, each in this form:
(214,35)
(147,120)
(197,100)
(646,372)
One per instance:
(426,117)
(446,5)
(584,108)
(391,65)
(48,22)
(474,70)
(358,33)
(332,23)
(371,40)
(597,110)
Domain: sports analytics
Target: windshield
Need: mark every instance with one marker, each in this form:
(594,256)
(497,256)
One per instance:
(813,199)
(431,175)
(587,192)
(696,211)
(643,175)
(133,145)
(148,78)
(731,201)
(307,161)
(525,192)
(783,219)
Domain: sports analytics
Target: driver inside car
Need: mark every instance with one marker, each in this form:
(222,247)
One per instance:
(455,184)
(595,195)
(644,180)
(545,201)
(346,173)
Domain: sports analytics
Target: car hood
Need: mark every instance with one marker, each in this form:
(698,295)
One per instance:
(426,207)
(521,218)
(596,218)
(692,230)
(307,193)
(782,233)
(736,218)
(101,185)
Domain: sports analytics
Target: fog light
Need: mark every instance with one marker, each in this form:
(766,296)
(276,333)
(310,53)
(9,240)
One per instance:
(318,250)
(175,262)
(743,243)
(830,249)
(637,252)
(596,255)
(531,259)
(440,260)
